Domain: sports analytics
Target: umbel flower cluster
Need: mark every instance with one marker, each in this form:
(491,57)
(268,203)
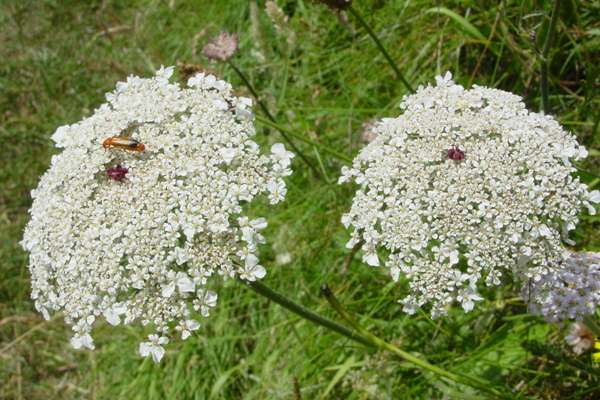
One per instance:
(465,186)
(135,235)
(570,291)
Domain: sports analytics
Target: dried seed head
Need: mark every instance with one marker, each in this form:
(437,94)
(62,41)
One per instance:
(280,21)
(221,47)
(580,338)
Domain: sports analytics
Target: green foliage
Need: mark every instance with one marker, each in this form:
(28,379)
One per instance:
(60,57)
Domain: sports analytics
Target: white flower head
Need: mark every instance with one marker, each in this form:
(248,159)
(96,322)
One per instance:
(464,181)
(135,236)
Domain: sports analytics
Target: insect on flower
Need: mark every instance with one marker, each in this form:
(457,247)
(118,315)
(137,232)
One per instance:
(123,142)
(455,154)
(117,173)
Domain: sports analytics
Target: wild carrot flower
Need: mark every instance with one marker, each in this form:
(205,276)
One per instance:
(145,249)
(464,186)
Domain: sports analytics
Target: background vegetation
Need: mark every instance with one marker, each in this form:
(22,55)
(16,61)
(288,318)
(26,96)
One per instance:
(60,57)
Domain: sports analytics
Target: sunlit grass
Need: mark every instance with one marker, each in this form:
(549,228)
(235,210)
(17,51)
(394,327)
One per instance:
(60,57)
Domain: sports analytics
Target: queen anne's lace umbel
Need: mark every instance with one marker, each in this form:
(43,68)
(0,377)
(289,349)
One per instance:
(141,248)
(465,185)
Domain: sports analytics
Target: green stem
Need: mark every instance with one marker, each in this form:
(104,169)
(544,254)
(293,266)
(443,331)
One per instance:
(246,81)
(382,344)
(326,149)
(544,66)
(381,48)
(591,323)
(264,108)
(283,301)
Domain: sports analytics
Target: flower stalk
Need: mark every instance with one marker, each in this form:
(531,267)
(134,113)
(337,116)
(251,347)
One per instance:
(336,154)
(264,108)
(382,49)
(305,313)
(361,335)
(545,50)
(383,345)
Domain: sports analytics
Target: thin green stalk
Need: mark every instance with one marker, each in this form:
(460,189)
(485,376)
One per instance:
(382,344)
(326,149)
(544,65)
(591,323)
(246,81)
(381,48)
(264,108)
(305,313)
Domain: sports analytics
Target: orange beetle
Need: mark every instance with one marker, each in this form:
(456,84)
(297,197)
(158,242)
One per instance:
(123,142)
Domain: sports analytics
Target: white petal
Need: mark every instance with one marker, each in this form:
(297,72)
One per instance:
(168,290)
(453,257)
(163,340)
(228,154)
(278,149)
(157,353)
(258,224)
(251,261)
(259,272)
(545,231)
(112,317)
(192,324)
(371,259)
(144,349)
(80,341)
(185,284)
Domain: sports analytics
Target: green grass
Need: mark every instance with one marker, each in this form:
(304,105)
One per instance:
(60,57)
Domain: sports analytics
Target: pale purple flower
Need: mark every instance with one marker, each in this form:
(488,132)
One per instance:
(222,47)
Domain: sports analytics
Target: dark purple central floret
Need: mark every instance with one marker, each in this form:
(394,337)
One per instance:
(117,173)
(456,154)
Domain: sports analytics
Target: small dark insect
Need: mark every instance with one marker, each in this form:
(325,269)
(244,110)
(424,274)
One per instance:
(533,36)
(123,142)
(117,173)
(455,154)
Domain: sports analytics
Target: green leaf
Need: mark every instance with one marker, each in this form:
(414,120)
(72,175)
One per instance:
(342,369)
(218,386)
(462,22)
